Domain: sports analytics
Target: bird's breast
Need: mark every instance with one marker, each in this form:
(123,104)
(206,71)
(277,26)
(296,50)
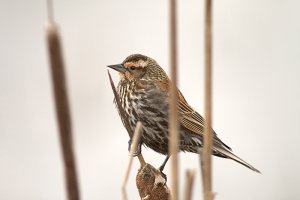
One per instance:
(142,100)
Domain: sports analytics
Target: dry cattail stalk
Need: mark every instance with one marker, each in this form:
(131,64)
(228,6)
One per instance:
(62,107)
(190,174)
(207,180)
(135,140)
(173,117)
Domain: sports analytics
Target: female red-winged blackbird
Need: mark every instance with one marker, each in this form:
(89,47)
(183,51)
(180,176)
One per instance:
(143,91)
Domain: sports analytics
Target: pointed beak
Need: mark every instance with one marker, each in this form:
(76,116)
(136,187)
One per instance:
(118,67)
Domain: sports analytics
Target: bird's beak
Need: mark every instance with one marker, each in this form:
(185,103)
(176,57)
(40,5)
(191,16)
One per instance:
(118,67)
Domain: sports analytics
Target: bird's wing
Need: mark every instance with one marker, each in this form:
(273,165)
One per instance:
(189,118)
(193,121)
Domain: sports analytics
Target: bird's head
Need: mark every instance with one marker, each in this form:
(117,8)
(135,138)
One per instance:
(139,67)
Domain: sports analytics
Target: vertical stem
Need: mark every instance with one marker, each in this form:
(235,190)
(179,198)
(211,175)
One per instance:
(62,111)
(50,11)
(173,116)
(190,175)
(208,102)
(135,141)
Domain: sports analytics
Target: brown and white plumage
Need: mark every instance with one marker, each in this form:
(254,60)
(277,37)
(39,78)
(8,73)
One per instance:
(143,91)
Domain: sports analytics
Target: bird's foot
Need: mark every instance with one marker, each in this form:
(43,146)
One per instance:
(161,168)
(164,176)
(138,151)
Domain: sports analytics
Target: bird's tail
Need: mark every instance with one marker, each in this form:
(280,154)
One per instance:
(228,154)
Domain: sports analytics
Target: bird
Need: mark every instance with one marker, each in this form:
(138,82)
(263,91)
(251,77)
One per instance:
(143,91)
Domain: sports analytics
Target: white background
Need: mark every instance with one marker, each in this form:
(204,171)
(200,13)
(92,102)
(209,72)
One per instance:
(256,93)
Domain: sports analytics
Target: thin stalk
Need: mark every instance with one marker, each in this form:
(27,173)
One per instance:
(190,175)
(173,110)
(207,150)
(62,107)
(135,140)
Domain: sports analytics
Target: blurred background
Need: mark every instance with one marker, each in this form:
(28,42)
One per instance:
(256,93)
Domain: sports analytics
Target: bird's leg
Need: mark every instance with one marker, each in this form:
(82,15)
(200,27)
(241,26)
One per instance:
(138,151)
(161,168)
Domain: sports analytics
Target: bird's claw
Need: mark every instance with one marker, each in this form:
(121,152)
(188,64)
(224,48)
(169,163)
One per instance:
(161,168)
(138,150)
(164,176)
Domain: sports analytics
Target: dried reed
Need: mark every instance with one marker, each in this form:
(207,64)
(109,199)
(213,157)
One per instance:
(206,167)
(62,106)
(173,116)
(135,140)
(190,175)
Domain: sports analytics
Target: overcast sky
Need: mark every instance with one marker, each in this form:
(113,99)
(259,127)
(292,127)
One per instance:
(256,93)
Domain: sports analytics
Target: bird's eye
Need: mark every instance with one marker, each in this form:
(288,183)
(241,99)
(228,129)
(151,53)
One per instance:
(132,68)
